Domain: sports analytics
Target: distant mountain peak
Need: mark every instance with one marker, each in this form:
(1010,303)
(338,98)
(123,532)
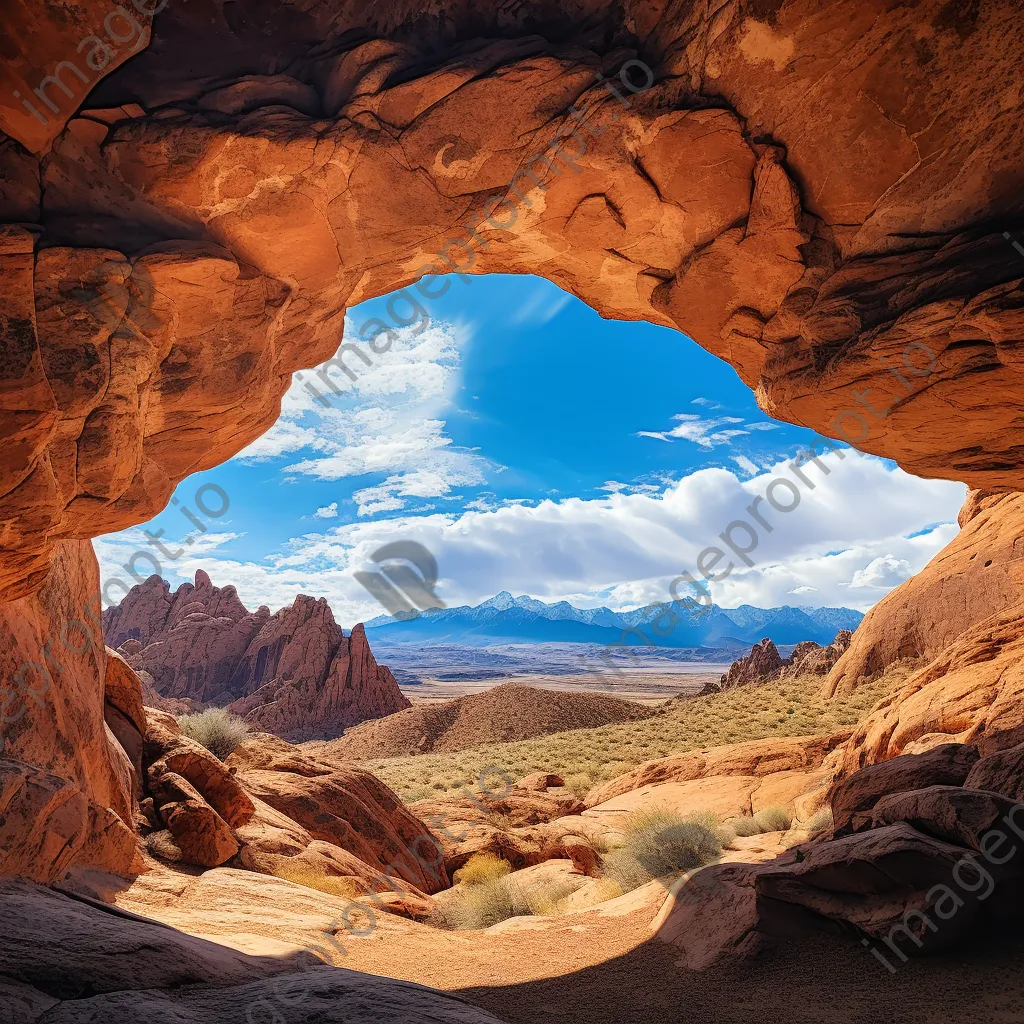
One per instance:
(507,619)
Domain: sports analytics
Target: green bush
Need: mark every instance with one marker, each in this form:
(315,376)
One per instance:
(215,729)
(768,819)
(659,842)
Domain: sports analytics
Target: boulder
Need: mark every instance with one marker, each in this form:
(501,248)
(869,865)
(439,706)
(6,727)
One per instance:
(853,797)
(897,886)
(355,811)
(887,882)
(177,755)
(200,833)
(124,713)
(540,782)
(1001,772)
(957,815)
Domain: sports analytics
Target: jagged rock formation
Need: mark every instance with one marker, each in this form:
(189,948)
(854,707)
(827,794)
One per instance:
(293,673)
(764,662)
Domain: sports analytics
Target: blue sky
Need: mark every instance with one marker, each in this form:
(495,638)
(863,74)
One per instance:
(535,447)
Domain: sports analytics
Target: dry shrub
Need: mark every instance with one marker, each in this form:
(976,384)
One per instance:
(295,870)
(480,868)
(821,822)
(216,729)
(496,899)
(768,819)
(659,842)
(601,890)
(578,784)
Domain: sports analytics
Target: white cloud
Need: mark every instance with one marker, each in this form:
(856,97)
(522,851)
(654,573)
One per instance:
(883,573)
(706,432)
(387,420)
(327,512)
(745,464)
(623,549)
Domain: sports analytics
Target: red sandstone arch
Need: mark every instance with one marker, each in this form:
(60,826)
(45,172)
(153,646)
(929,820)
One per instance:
(807,188)
(803,214)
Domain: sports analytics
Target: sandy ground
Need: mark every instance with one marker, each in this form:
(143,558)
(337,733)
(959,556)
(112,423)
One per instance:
(644,685)
(602,966)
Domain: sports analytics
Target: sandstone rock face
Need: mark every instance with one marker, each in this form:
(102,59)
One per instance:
(1001,772)
(336,683)
(853,798)
(973,692)
(957,814)
(354,811)
(293,673)
(978,574)
(755,759)
(762,663)
(825,254)
(56,699)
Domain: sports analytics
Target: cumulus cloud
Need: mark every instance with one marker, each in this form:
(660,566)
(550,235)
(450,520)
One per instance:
(327,512)
(863,520)
(386,421)
(883,573)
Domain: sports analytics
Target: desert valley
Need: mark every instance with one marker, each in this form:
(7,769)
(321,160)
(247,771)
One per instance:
(511,513)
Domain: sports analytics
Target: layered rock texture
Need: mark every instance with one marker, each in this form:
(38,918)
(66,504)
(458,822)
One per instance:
(293,673)
(190,238)
(958,626)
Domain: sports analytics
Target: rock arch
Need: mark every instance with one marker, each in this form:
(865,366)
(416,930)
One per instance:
(804,189)
(808,189)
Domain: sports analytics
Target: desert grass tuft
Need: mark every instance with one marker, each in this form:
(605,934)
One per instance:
(768,819)
(658,842)
(480,868)
(216,729)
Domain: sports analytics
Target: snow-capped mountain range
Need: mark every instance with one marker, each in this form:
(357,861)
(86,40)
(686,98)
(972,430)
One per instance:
(508,619)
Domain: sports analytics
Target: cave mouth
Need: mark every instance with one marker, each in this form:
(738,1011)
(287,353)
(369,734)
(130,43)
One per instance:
(502,467)
(185,237)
